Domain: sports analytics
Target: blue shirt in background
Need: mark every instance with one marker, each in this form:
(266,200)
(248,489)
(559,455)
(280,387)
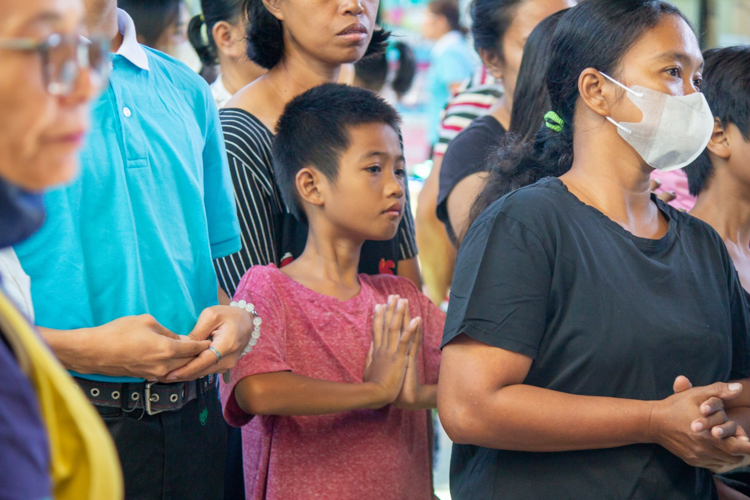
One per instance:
(137,232)
(451,62)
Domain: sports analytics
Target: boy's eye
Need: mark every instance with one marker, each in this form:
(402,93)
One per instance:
(374,169)
(401,172)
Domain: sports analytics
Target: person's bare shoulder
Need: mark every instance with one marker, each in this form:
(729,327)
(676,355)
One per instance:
(260,100)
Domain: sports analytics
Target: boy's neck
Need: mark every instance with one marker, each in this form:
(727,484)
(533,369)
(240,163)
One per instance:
(328,265)
(725,206)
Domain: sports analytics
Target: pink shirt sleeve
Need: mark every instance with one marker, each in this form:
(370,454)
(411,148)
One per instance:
(269,354)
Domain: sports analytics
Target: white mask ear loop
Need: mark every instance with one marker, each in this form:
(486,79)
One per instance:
(637,94)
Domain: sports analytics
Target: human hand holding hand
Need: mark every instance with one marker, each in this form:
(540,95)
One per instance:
(665,196)
(386,362)
(671,427)
(135,346)
(229,330)
(708,410)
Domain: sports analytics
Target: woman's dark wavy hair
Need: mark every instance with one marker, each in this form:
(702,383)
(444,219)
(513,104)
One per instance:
(531,100)
(214,11)
(594,34)
(373,71)
(265,36)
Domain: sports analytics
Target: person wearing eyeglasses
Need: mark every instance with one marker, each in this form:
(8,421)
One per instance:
(122,280)
(52,443)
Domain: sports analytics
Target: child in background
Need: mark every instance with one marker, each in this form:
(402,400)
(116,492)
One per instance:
(341,377)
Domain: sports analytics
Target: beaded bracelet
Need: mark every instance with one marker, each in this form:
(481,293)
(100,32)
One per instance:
(256,324)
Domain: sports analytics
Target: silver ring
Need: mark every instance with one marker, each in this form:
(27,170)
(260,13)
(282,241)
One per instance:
(215,351)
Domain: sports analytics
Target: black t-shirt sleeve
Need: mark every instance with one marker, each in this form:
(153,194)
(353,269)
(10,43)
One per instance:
(501,285)
(466,155)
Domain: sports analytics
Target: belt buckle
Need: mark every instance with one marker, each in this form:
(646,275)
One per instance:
(148,400)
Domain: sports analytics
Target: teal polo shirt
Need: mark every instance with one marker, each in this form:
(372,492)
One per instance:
(153,205)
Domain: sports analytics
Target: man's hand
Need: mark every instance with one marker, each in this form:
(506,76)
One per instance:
(665,196)
(229,329)
(131,346)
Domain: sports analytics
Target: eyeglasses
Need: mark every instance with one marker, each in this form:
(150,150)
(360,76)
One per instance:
(63,58)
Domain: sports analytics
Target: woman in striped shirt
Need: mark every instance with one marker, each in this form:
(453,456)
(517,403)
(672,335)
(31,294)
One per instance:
(303,45)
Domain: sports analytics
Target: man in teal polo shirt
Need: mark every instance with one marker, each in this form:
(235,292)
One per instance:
(122,276)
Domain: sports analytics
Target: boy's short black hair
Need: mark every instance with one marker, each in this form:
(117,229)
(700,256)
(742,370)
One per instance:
(726,85)
(314,131)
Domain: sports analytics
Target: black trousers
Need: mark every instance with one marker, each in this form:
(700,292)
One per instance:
(175,455)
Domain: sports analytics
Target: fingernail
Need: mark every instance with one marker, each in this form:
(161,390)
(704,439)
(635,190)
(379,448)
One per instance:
(705,409)
(696,426)
(171,377)
(735,387)
(719,432)
(743,438)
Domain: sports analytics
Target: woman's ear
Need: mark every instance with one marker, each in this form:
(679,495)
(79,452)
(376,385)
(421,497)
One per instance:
(719,142)
(594,93)
(493,62)
(274,7)
(308,182)
(229,39)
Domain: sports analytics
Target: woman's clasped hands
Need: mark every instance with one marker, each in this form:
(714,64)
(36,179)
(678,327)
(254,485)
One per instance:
(694,425)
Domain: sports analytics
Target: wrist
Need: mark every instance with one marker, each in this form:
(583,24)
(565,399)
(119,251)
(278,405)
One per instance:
(651,431)
(377,396)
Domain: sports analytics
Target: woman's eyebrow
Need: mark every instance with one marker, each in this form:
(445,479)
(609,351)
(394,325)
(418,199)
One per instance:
(682,57)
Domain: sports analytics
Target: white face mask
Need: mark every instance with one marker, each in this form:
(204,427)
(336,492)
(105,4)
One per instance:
(674,130)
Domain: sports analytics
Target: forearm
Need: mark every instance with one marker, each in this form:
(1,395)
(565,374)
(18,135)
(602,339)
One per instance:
(526,418)
(224,299)
(286,393)
(71,347)
(428,397)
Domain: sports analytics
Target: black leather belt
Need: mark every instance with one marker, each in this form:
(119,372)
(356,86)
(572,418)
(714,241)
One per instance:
(152,397)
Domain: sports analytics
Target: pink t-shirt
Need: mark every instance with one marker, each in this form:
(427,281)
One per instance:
(363,454)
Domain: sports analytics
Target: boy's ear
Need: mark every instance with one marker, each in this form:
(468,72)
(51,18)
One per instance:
(719,142)
(308,186)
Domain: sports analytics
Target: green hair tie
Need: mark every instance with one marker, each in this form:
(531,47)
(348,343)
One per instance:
(552,120)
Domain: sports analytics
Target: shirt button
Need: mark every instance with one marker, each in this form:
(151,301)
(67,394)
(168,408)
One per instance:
(126,111)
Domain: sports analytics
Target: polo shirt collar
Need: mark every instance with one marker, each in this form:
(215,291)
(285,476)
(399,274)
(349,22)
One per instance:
(130,49)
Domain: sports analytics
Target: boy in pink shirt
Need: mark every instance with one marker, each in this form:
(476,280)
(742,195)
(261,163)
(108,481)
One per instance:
(342,378)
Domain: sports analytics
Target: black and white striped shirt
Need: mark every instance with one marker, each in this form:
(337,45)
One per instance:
(270,234)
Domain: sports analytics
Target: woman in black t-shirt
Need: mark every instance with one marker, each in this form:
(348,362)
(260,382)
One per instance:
(578,301)
(465,164)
